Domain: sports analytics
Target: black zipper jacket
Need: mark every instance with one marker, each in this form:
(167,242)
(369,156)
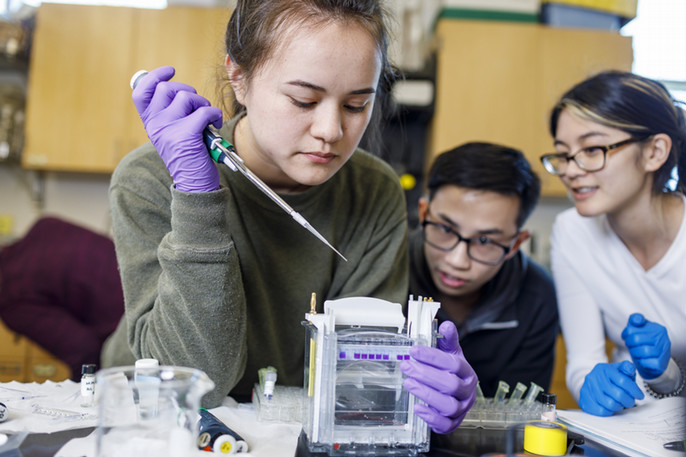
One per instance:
(510,335)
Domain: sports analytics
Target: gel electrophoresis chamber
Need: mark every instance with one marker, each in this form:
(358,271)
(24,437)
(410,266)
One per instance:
(355,400)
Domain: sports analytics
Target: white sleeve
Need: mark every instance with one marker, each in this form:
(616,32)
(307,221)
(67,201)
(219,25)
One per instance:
(580,317)
(668,381)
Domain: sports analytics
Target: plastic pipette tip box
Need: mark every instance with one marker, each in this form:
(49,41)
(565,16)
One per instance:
(285,405)
(488,413)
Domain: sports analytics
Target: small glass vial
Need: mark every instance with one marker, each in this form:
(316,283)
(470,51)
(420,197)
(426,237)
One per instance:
(87,384)
(549,413)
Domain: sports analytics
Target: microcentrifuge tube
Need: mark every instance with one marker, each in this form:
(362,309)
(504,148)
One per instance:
(479,393)
(517,392)
(501,393)
(267,378)
(533,392)
(269,383)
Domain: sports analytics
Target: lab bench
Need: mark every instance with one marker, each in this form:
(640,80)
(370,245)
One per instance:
(264,438)
(468,442)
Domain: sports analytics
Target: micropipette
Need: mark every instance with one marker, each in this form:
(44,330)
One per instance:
(223,152)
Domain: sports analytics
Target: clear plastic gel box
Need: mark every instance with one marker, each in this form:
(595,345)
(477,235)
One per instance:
(355,403)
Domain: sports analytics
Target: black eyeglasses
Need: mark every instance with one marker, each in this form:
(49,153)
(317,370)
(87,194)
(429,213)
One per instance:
(592,158)
(481,249)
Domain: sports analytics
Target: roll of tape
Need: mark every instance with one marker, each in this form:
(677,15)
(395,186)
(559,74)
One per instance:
(545,438)
(500,454)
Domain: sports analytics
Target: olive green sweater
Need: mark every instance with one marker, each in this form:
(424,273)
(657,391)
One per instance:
(221,280)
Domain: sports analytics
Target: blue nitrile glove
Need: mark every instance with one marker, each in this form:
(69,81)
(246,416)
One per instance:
(608,388)
(648,344)
(443,379)
(174,116)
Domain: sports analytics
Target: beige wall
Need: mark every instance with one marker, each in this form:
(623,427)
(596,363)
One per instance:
(79,198)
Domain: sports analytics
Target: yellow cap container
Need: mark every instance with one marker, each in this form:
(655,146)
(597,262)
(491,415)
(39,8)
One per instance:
(545,438)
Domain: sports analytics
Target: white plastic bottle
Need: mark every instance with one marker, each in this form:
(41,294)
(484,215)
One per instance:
(147,382)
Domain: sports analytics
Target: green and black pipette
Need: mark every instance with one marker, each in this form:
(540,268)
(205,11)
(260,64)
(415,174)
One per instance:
(223,152)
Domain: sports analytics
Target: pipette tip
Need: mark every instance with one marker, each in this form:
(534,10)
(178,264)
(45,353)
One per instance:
(341,255)
(302,221)
(318,235)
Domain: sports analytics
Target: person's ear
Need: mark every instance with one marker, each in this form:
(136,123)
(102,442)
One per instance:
(236,78)
(423,208)
(521,238)
(656,153)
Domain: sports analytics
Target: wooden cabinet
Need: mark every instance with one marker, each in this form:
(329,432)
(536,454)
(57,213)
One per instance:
(498,81)
(12,355)
(80,116)
(23,360)
(558,384)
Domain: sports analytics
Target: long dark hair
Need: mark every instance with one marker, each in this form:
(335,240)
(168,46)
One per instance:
(253,34)
(638,106)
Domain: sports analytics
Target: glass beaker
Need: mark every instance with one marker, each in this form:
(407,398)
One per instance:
(153,413)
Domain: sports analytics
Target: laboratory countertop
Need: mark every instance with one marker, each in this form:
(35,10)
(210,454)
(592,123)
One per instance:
(33,434)
(461,443)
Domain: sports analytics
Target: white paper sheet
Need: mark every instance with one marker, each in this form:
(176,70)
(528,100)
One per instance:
(44,408)
(264,439)
(640,431)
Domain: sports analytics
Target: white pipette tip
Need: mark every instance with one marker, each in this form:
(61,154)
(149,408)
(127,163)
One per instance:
(323,240)
(135,79)
(336,251)
(302,221)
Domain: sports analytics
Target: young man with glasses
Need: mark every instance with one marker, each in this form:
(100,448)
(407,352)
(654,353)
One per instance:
(466,255)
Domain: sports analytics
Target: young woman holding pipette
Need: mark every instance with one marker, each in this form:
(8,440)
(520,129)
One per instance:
(619,257)
(215,275)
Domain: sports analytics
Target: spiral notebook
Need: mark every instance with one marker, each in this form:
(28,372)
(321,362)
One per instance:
(640,431)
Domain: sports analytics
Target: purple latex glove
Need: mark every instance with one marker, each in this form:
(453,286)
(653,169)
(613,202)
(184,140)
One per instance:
(174,116)
(443,379)
(648,344)
(608,388)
